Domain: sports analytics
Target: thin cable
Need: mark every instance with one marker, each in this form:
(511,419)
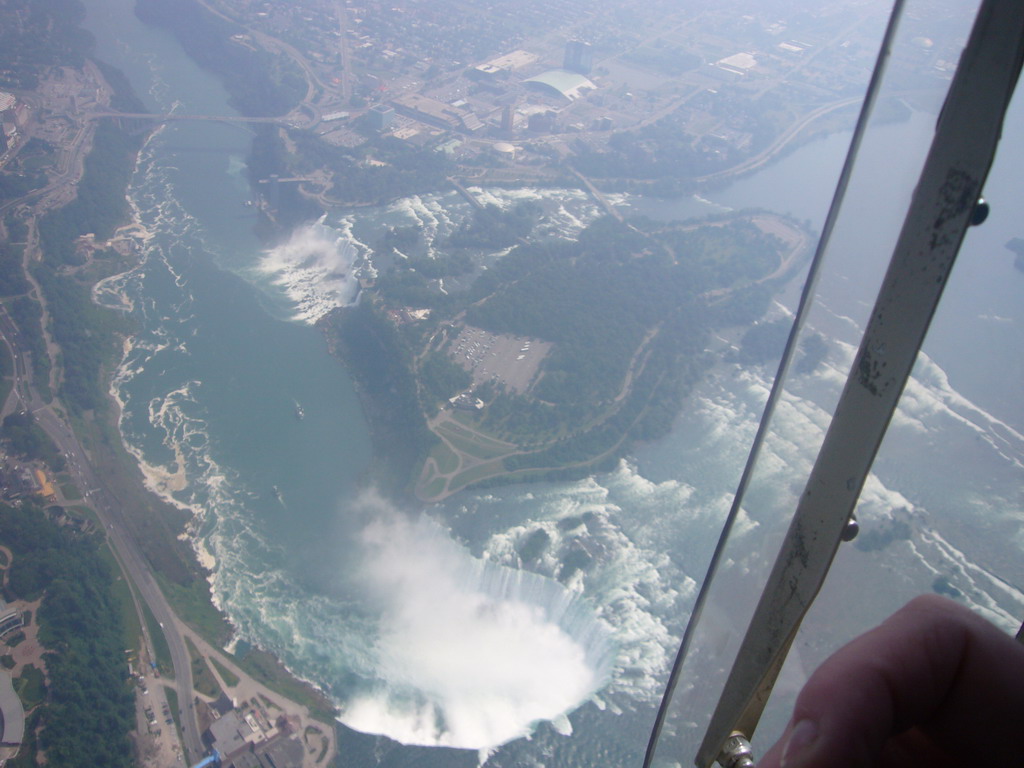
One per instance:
(803,309)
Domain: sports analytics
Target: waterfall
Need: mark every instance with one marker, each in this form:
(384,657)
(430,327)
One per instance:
(560,606)
(471,654)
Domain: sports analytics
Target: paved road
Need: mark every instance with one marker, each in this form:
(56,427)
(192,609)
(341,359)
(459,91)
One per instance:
(108,508)
(110,511)
(768,154)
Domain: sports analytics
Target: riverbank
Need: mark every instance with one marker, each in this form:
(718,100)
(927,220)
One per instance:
(81,341)
(507,380)
(161,528)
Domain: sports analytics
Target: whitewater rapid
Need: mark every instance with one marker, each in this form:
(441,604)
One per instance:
(435,636)
(471,654)
(315,268)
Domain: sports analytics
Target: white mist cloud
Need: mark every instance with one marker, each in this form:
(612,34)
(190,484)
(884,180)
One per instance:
(471,654)
(315,269)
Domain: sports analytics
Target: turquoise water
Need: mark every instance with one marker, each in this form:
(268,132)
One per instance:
(226,353)
(218,370)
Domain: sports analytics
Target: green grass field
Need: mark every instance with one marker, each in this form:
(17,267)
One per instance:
(71,492)
(472,445)
(434,487)
(126,605)
(202,678)
(160,646)
(446,460)
(30,686)
(491,469)
(172,702)
(230,678)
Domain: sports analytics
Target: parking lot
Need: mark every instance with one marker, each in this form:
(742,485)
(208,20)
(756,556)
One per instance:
(509,360)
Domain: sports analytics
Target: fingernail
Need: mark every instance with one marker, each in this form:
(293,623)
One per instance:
(800,738)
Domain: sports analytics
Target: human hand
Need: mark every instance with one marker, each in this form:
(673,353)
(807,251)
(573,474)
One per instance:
(935,685)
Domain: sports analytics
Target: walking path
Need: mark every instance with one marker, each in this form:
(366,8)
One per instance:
(170,747)
(318,738)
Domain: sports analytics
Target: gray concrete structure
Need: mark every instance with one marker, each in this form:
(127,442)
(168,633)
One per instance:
(570,85)
(10,619)
(12,715)
(229,734)
(284,753)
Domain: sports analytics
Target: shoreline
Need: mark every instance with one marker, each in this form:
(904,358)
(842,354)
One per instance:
(203,561)
(156,519)
(205,564)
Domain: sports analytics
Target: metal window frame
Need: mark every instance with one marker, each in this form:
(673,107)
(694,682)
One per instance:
(944,205)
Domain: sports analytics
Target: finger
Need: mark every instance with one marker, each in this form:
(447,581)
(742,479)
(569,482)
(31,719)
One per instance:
(773,756)
(934,665)
(911,748)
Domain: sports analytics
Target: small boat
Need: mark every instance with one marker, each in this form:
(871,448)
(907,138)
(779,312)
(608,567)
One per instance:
(299,413)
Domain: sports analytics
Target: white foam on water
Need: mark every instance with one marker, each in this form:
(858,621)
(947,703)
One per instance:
(639,540)
(471,654)
(315,268)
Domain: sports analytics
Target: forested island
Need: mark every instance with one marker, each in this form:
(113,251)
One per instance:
(591,345)
(553,362)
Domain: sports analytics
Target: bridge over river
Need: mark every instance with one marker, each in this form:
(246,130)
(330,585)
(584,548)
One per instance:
(291,119)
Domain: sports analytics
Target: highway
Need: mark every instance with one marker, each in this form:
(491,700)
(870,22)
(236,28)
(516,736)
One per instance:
(769,153)
(340,10)
(110,511)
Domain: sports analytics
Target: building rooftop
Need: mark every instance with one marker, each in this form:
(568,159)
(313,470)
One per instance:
(431,108)
(739,61)
(571,85)
(229,733)
(284,753)
(508,62)
(11,712)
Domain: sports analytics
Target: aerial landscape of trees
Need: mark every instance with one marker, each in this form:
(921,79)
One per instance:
(85,331)
(23,437)
(35,35)
(87,334)
(12,276)
(88,708)
(626,309)
(491,227)
(381,365)
(382,169)
(99,206)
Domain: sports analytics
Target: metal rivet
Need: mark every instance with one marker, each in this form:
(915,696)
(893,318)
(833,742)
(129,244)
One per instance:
(852,529)
(736,752)
(980,212)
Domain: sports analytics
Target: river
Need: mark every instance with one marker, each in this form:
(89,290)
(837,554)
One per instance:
(384,610)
